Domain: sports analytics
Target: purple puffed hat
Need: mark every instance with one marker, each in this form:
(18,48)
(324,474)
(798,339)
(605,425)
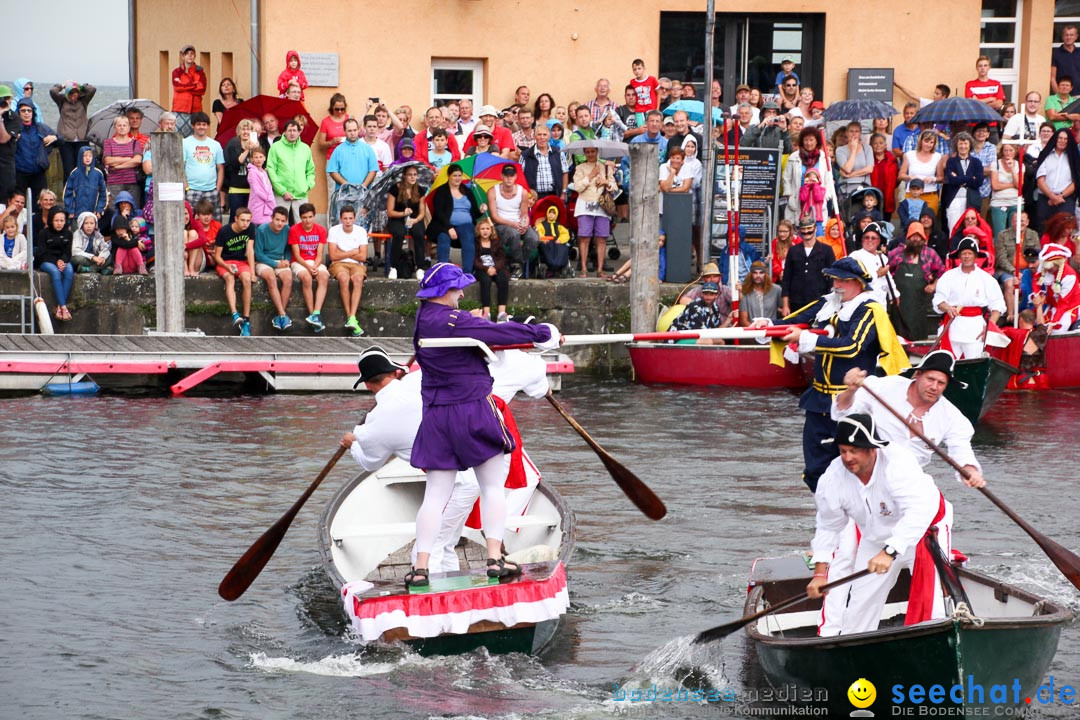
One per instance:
(441,278)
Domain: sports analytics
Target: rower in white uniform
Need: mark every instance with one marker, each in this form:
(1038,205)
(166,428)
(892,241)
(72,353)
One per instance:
(963,295)
(881,488)
(918,394)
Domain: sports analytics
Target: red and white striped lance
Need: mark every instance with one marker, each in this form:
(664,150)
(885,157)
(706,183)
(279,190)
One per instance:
(733,333)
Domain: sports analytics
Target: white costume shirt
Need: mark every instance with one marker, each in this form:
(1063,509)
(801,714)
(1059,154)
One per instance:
(390,427)
(942,423)
(977,288)
(879,286)
(895,508)
(515,370)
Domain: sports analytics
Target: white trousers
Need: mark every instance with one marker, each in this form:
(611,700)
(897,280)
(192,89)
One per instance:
(857,606)
(444,557)
(491,477)
(464,495)
(966,335)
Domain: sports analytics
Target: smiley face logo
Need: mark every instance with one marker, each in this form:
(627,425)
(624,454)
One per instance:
(862,693)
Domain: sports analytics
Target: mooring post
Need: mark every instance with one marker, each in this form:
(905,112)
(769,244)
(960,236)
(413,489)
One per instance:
(169,230)
(644,235)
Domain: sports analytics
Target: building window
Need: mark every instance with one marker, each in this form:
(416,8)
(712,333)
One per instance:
(999,38)
(457,79)
(1066,12)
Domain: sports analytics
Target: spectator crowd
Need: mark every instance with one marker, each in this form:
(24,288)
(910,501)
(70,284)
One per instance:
(402,193)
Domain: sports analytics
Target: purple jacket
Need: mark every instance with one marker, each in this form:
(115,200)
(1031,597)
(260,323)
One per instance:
(458,375)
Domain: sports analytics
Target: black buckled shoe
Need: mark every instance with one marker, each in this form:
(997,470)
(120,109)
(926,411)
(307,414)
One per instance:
(417,577)
(502,568)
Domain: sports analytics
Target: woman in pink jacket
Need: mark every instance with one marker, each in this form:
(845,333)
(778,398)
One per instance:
(261,200)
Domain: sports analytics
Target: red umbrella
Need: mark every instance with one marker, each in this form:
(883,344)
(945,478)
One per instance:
(256,107)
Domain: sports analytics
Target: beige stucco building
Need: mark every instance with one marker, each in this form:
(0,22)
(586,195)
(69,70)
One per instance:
(417,52)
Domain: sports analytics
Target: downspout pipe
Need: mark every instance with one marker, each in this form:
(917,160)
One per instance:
(255,80)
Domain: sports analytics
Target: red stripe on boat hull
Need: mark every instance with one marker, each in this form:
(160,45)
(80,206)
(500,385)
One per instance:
(741,366)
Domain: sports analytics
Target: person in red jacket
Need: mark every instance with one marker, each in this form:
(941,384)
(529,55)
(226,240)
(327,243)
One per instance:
(292,72)
(189,86)
(884,175)
(433,119)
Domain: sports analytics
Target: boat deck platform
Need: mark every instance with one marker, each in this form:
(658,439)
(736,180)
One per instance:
(305,364)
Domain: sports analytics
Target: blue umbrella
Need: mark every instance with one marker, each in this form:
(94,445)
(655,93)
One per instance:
(957,109)
(695,110)
(859,110)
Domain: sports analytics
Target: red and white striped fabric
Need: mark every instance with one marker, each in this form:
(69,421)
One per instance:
(427,615)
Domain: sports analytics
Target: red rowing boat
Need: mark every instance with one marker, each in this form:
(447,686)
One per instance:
(1062,369)
(741,366)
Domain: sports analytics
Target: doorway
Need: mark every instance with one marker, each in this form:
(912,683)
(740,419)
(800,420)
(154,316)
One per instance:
(748,49)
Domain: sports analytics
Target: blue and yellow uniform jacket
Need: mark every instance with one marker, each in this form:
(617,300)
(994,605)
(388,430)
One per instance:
(860,341)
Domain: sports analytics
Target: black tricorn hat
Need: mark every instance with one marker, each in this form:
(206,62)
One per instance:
(374,362)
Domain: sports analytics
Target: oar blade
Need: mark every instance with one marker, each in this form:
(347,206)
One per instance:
(1064,559)
(247,568)
(719,632)
(638,492)
(634,488)
(251,563)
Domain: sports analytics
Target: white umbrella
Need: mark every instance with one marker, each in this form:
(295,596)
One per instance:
(606,148)
(101,122)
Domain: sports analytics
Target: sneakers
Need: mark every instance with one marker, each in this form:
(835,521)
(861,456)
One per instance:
(236,319)
(315,321)
(281,322)
(516,272)
(245,328)
(353,325)
(392,275)
(503,317)
(419,274)
(286,322)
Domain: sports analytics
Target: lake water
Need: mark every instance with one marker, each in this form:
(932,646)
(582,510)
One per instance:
(123,514)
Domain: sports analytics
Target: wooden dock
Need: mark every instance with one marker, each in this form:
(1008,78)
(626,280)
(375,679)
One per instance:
(299,364)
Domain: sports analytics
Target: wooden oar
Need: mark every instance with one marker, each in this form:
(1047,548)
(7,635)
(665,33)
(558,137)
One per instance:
(722,631)
(733,333)
(638,492)
(1066,560)
(247,568)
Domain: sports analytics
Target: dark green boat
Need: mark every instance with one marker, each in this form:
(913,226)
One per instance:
(985,377)
(1008,640)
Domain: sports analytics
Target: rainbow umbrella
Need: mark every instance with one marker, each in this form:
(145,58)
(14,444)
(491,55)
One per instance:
(482,172)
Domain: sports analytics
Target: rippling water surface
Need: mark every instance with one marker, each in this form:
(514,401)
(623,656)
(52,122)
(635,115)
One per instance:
(122,514)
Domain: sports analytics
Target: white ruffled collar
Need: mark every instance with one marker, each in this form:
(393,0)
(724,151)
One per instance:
(843,311)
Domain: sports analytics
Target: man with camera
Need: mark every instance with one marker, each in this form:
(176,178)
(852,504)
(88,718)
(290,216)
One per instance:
(770,132)
(9,131)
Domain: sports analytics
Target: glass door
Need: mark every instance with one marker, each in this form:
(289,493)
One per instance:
(749,49)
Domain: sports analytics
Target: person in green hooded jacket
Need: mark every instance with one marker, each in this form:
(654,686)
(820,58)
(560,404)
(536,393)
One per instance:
(291,170)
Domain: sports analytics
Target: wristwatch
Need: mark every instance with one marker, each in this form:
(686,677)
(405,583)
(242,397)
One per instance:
(891,551)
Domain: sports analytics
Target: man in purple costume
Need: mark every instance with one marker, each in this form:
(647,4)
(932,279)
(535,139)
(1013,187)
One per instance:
(462,427)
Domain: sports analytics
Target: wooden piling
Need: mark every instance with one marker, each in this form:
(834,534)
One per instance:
(169,237)
(644,235)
